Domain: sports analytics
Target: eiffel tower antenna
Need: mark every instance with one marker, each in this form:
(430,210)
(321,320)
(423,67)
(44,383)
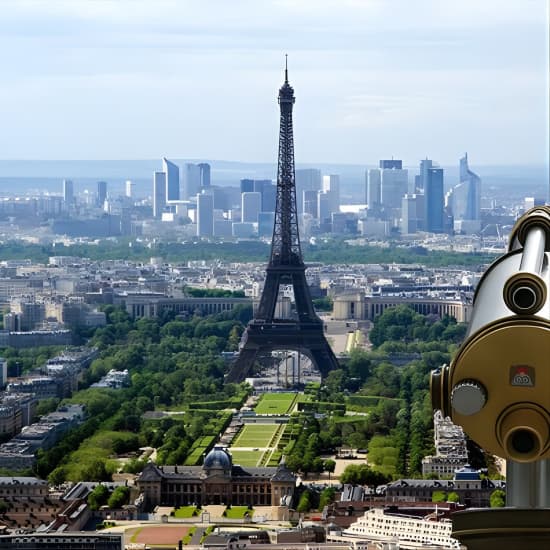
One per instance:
(267,333)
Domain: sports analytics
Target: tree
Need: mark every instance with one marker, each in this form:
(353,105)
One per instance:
(98,497)
(327,496)
(119,497)
(497,499)
(453,497)
(57,477)
(439,496)
(304,505)
(329,465)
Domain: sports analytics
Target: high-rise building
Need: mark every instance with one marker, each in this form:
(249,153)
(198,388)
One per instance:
(191,182)
(373,189)
(331,186)
(393,186)
(265,224)
(464,200)
(391,163)
(68,193)
(269,196)
(422,178)
(205,215)
(247,186)
(159,193)
(323,208)
(412,214)
(129,188)
(204,175)
(310,203)
(172,180)
(434,198)
(470,209)
(101,196)
(251,206)
(307,179)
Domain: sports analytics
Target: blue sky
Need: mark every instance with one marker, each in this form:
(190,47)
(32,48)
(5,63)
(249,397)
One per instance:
(93,79)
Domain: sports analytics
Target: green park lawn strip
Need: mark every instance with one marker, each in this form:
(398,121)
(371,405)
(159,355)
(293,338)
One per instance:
(255,435)
(275,403)
(246,458)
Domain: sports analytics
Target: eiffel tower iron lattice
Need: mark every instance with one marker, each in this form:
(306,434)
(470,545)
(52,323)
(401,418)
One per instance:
(267,333)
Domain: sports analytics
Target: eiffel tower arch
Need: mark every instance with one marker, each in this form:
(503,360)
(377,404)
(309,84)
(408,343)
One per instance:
(267,333)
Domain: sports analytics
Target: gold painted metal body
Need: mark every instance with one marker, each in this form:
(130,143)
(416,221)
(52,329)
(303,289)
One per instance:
(504,362)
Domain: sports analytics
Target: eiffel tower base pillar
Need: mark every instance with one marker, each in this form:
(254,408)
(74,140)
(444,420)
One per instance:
(503,528)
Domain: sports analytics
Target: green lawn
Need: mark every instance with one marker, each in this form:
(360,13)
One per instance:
(185,512)
(246,458)
(275,403)
(255,435)
(238,512)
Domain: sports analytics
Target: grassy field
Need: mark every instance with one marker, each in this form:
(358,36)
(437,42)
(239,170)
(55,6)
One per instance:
(255,435)
(238,512)
(246,458)
(275,403)
(186,512)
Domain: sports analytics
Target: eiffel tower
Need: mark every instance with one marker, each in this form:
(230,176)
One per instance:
(266,333)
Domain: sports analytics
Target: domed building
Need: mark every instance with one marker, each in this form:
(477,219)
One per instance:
(217,481)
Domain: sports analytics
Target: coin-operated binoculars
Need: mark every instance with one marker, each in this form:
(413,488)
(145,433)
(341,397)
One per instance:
(498,388)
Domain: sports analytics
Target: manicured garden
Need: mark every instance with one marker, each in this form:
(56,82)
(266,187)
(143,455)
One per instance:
(276,403)
(256,435)
(246,458)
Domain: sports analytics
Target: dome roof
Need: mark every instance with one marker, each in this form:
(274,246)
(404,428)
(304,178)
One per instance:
(217,458)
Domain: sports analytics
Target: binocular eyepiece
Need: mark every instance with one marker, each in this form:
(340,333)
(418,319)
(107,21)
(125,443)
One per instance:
(498,386)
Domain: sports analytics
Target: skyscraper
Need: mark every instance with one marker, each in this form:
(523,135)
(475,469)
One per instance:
(101,196)
(247,186)
(331,187)
(471,208)
(269,196)
(205,215)
(393,186)
(204,175)
(464,200)
(434,200)
(191,180)
(172,180)
(373,189)
(68,193)
(422,178)
(251,205)
(307,179)
(412,213)
(310,203)
(128,188)
(391,163)
(159,193)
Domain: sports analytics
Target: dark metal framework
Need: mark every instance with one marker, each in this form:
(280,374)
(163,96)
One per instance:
(266,333)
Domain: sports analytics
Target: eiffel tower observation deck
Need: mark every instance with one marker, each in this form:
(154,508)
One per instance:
(304,332)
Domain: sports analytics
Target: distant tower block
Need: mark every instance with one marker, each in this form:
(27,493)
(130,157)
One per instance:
(68,193)
(129,188)
(266,333)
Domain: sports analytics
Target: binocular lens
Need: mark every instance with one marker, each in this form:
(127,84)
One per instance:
(524,298)
(523,442)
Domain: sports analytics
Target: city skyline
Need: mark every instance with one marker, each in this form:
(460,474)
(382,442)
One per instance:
(373,79)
